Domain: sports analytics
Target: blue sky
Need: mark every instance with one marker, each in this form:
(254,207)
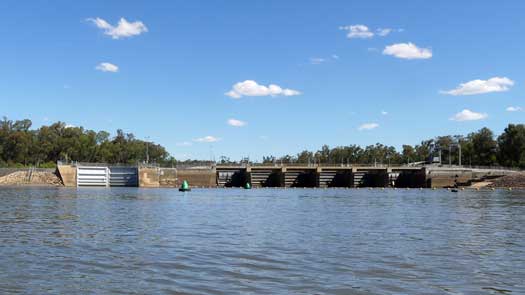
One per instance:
(343,72)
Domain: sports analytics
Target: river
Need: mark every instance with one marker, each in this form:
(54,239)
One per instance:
(261,241)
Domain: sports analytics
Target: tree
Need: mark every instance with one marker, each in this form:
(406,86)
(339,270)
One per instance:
(483,146)
(511,146)
(408,154)
(19,145)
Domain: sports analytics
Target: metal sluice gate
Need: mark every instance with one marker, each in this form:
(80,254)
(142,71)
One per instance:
(96,176)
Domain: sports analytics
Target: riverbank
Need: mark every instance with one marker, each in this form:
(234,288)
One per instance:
(516,180)
(31,178)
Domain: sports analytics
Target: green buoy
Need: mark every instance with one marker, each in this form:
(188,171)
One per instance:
(247,186)
(185,187)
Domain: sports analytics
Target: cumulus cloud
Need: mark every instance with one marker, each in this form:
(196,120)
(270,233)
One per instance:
(514,109)
(384,113)
(107,67)
(368,126)
(236,123)
(124,29)
(495,84)
(407,51)
(358,31)
(252,88)
(208,139)
(468,115)
(184,143)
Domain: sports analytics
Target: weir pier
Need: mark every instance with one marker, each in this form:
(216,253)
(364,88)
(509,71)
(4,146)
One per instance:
(283,176)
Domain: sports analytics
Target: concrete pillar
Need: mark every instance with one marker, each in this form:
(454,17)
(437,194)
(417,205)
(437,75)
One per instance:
(68,174)
(149,177)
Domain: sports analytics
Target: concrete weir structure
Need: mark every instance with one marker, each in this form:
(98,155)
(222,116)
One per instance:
(352,176)
(322,176)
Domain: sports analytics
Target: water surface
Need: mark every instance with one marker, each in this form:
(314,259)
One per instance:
(271,241)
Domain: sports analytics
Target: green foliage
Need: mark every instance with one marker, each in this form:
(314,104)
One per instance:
(511,146)
(21,146)
(43,147)
(478,148)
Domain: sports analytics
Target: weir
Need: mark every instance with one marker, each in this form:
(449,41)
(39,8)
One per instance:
(308,176)
(316,176)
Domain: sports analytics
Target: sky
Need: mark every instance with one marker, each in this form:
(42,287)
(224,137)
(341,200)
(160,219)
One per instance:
(251,78)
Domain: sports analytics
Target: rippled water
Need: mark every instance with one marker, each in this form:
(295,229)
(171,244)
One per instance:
(295,241)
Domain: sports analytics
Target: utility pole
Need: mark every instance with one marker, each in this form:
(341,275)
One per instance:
(147,149)
(450,155)
(459,146)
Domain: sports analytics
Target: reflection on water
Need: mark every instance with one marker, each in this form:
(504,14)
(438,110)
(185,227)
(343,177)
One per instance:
(136,241)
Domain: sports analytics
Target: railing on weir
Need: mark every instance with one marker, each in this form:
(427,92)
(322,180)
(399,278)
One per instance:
(374,165)
(211,165)
(279,165)
(93,164)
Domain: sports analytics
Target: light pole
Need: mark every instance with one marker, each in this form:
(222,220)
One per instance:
(458,145)
(450,155)
(147,149)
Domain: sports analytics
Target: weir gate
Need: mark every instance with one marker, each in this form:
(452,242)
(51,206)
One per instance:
(107,176)
(316,176)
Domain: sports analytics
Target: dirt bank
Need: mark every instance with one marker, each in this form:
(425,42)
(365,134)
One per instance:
(31,178)
(516,180)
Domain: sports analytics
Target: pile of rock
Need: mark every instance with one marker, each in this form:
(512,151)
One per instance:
(31,178)
(516,180)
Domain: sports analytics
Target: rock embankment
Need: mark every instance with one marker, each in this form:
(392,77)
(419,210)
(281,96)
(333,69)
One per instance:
(516,180)
(31,178)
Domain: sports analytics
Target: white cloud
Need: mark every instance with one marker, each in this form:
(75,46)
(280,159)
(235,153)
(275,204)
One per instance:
(368,126)
(407,51)
(468,115)
(251,88)
(264,137)
(208,138)
(184,143)
(335,56)
(107,67)
(514,109)
(70,126)
(290,92)
(124,28)
(236,123)
(495,84)
(364,32)
(384,31)
(317,60)
(384,113)
(358,31)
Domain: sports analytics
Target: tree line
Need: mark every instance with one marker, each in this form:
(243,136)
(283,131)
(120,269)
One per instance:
(480,148)
(43,147)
